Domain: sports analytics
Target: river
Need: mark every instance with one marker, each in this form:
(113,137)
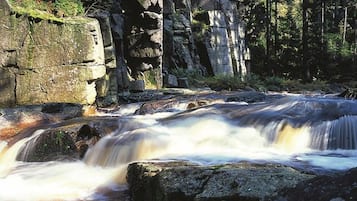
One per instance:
(310,133)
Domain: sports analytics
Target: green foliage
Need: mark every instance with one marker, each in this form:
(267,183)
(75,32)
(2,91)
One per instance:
(329,49)
(336,46)
(69,7)
(225,82)
(271,83)
(48,9)
(59,137)
(194,76)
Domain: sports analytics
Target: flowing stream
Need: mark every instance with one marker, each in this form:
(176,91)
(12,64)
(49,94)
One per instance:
(311,133)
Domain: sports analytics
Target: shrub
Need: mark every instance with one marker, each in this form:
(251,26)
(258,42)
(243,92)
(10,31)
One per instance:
(69,7)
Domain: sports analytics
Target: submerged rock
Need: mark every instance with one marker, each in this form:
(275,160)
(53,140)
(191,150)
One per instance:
(182,181)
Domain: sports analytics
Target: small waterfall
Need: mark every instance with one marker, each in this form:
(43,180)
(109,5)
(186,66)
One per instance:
(8,155)
(343,133)
(337,134)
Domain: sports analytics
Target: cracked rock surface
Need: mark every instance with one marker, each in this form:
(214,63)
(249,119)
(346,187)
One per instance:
(183,181)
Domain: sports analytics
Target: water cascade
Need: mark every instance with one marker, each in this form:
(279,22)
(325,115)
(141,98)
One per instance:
(298,131)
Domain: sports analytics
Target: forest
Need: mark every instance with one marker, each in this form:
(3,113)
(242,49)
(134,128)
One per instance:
(302,39)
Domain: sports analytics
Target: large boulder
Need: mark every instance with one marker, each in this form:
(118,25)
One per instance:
(182,181)
(39,58)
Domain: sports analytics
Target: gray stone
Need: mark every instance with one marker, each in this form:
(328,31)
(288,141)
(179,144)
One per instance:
(46,83)
(145,66)
(217,19)
(167,181)
(149,51)
(105,27)
(45,58)
(137,86)
(155,36)
(183,82)
(7,87)
(151,20)
(110,58)
(169,7)
(171,80)
(8,58)
(118,25)
(146,4)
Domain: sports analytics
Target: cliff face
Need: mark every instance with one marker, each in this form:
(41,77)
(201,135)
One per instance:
(201,35)
(41,61)
(124,46)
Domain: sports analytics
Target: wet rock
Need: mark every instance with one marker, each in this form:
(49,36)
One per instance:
(14,120)
(64,110)
(350,93)
(49,146)
(171,181)
(246,96)
(342,186)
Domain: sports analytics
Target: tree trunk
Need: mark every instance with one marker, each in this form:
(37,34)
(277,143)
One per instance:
(323,8)
(276,29)
(268,27)
(305,47)
(345,26)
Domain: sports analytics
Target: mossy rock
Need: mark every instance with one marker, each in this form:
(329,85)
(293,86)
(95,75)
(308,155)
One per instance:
(49,146)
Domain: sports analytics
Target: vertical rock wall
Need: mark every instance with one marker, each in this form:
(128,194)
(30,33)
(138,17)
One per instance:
(43,62)
(144,40)
(224,41)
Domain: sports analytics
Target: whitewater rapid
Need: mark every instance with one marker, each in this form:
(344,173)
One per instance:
(296,132)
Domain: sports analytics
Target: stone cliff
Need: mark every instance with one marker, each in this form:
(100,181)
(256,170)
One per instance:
(124,46)
(43,61)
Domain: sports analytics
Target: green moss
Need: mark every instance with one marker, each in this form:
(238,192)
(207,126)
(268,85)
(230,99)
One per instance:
(37,14)
(48,10)
(150,79)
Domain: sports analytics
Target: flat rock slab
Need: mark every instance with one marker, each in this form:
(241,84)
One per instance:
(183,181)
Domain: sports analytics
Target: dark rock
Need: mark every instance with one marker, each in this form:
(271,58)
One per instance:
(151,20)
(171,80)
(247,96)
(350,93)
(342,186)
(169,7)
(174,181)
(183,82)
(48,146)
(7,86)
(157,106)
(137,86)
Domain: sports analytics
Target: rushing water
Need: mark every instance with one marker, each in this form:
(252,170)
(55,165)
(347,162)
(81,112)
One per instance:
(308,133)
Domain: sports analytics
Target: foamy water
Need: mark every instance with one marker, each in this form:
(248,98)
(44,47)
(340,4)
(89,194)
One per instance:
(205,136)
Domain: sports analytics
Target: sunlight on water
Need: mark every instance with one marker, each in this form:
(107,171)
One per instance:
(293,140)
